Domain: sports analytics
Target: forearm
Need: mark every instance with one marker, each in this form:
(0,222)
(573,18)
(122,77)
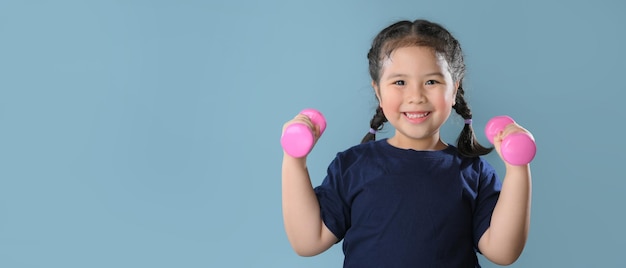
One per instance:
(301,211)
(506,237)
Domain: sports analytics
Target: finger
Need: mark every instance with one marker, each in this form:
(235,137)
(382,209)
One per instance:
(305,120)
(513,128)
(317,132)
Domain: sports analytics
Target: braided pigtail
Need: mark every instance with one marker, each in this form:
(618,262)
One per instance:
(376,124)
(467,143)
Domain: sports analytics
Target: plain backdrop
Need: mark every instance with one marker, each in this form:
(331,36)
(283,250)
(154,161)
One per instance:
(146,133)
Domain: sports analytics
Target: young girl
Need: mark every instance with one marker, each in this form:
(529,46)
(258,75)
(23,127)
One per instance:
(411,200)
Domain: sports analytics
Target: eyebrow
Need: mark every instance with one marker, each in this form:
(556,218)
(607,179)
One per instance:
(396,75)
(399,75)
(435,74)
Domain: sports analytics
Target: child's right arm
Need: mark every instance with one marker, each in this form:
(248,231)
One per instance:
(305,229)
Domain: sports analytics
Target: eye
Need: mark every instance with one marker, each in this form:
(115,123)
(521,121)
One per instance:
(432,82)
(399,83)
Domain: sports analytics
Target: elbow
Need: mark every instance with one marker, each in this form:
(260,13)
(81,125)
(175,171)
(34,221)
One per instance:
(505,262)
(305,248)
(505,259)
(503,256)
(501,252)
(304,251)
(308,246)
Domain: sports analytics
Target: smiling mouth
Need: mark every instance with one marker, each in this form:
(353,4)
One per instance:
(416,115)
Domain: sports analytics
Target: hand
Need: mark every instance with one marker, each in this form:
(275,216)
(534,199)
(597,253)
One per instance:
(303,121)
(508,130)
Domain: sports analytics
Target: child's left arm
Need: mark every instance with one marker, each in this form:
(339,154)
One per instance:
(505,239)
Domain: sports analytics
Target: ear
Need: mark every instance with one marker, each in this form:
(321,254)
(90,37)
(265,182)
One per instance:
(456,90)
(376,90)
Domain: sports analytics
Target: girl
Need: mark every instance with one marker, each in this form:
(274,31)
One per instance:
(411,200)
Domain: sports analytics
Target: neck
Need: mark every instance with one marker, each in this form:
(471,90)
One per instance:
(433,143)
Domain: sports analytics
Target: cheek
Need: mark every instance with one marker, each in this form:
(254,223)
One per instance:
(450,97)
(390,100)
(452,100)
(389,106)
(443,101)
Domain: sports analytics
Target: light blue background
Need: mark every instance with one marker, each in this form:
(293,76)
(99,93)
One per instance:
(146,133)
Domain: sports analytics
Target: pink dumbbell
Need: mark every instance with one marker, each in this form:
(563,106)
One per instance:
(517,148)
(297,139)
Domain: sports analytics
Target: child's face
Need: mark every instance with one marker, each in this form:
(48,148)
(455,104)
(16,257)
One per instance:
(416,92)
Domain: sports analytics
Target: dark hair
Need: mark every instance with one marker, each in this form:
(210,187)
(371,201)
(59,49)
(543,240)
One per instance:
(429,34)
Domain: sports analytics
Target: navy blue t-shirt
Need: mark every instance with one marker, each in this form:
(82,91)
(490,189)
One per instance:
(404,208)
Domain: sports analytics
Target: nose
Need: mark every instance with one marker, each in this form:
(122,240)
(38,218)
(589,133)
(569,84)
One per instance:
(416,94)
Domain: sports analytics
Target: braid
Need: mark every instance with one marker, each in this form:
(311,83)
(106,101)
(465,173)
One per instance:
(376,124)
(467,143)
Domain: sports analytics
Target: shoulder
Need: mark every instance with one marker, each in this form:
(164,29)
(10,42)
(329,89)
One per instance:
(476,166)
(364,150)
(478,175)
(476,163)
(363,153)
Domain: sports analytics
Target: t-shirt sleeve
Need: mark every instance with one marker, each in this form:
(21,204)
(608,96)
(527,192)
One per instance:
(331,194)
(488,192)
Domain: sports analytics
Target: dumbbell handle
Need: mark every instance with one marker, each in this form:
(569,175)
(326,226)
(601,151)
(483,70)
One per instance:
(298,139)
(517,148)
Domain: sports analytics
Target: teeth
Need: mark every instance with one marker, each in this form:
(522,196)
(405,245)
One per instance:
(415,115)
